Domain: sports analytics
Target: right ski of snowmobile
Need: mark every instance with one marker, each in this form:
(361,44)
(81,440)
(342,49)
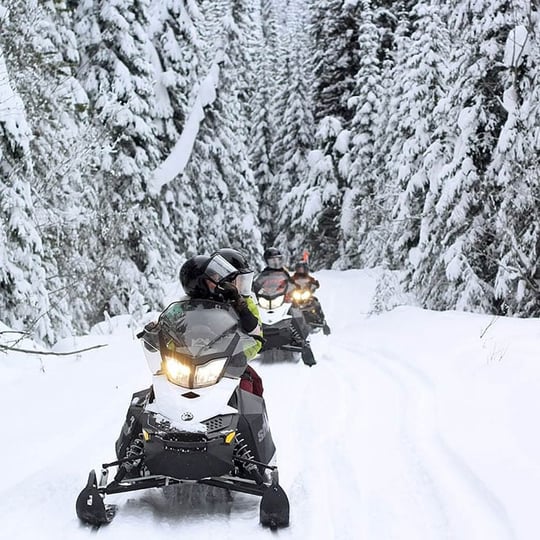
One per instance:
(194,424)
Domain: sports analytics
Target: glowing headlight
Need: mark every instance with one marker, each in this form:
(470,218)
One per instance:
(178,372)
(301,296)
(208,373)
(264,303)
(190,376)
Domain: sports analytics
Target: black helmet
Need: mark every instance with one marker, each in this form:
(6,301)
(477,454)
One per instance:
(191,276)
(243,280)
(200,275)
(234,257)
(273,258)
(271,252)
(302,268)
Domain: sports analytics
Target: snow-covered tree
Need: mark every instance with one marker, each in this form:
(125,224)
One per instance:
(364,196)
(418,84)
(455,264)
(294,138)
(515,167)
(24,302)
(119,75)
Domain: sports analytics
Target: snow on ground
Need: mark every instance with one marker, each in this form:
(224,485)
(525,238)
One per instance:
(413,425)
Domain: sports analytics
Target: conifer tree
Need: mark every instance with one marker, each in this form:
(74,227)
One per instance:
(365,198)
(418,76)
(294,139)
(515,166)
(24,302)
(226,198)
(456,265)
(262,121)
(119,77)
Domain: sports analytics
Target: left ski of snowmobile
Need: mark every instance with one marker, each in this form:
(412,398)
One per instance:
(195,424)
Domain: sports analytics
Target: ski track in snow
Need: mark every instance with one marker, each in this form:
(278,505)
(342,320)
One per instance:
(446,475)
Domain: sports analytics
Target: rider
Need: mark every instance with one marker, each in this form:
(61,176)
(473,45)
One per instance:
(304,280)
(275,268)
(244,283)
(275,274)
(225,277)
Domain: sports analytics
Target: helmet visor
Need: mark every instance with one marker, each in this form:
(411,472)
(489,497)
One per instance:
(219,269)
(275,262)
(243,282)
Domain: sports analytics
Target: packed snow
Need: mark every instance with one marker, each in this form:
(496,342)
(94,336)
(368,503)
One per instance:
(414,425)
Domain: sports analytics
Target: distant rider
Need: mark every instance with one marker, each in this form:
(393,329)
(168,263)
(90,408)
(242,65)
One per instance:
(304,280)
(275,276)
(275,270)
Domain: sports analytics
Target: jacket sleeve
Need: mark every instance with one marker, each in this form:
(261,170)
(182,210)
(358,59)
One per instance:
(248,320)
(257,331)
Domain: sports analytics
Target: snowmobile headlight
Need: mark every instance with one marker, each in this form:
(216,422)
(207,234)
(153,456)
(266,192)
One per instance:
(178,372)
(189,376)
(277,302)
(301,295)
(264,302)
(208,373)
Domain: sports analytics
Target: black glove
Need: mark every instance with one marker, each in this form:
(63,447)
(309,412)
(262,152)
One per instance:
(229,292)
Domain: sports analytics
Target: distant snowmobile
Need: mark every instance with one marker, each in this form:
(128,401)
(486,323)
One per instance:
(284,327)
(194,424)
(304,299)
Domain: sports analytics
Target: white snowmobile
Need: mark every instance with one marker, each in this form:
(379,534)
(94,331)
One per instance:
(284,327)
(194,424)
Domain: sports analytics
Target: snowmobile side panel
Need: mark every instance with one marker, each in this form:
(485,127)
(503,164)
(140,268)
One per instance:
(132,424)
(254,427)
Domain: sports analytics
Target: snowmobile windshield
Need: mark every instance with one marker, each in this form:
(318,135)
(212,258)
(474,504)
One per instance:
(271,285)
(202,330)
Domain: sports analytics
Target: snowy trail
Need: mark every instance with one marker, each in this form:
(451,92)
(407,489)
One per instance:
(463,496)
(364,448)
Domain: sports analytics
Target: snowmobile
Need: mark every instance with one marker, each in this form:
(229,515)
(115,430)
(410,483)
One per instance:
(304,299)
(194,424)
(285,329)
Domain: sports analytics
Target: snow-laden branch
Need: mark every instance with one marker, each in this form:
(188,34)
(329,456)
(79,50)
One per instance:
(180,154)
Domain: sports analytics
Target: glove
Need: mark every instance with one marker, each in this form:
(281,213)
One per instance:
(229,292)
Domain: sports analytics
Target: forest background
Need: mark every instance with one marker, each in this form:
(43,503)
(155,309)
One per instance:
(402,134)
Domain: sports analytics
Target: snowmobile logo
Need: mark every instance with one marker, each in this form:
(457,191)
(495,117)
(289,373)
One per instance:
(187,416)
(261,434)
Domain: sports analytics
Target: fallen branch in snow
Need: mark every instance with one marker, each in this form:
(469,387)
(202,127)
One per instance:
(51,353)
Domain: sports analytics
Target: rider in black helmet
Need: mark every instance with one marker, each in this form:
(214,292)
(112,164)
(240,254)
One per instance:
(275,274)
(243,283)
(213,278)
(276,269)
